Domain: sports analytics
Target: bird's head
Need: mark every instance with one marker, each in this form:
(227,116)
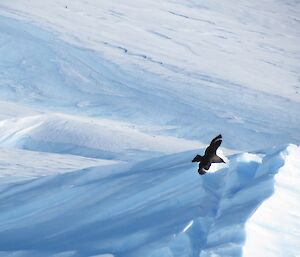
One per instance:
(201,171)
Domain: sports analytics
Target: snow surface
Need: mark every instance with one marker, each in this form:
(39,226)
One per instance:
(103,105)
(31,165)
(101,138)
(158,207)
(281,209)
(192,69)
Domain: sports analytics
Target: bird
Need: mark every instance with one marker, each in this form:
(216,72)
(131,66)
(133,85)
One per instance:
(210,156)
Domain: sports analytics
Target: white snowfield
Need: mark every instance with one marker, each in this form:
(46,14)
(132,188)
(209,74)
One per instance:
(103,105)
(191,68)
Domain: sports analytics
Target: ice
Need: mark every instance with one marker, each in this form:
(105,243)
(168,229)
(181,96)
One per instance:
(140,210)
(103,105)
(277,220)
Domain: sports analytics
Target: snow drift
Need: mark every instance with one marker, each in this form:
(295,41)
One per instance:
(98,138)
(87,80)
(159,207)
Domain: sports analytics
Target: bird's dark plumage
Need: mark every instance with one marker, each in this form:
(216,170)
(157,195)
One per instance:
(210,156)
(197,158)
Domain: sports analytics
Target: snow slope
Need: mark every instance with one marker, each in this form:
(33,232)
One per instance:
(29,164)
(281,212)
(193,69)
(159,207)
(184,38)
(103,105)
(101,138)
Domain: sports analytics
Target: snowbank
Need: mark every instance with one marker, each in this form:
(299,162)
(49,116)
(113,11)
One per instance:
(131,82)
(159,207)
(17,165)
(274,228)
(98,138)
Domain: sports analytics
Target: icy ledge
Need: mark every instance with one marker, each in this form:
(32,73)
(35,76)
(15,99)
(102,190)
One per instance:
(274,229)
(158,208)
(240,228)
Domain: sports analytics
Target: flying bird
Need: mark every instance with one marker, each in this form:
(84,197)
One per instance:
(210,156)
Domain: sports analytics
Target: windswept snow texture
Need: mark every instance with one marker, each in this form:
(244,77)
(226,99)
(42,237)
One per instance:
(97,138)
(194,69)
(103,105)
(159,207)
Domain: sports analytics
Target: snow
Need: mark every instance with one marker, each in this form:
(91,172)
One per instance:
(281,211)
(150,209)
(101,138)
(31,164)
(103,105)
(231,74)
(260,40)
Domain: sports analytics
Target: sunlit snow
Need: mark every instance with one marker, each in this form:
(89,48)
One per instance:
(103,105)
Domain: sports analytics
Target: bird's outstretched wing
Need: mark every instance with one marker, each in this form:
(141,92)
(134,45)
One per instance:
(197,158)
(214,145)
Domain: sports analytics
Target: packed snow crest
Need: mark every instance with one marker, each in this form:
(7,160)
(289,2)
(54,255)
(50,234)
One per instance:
(104,105)
(158,207)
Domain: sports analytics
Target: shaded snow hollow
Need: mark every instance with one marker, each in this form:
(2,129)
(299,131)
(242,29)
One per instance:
(159,208)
